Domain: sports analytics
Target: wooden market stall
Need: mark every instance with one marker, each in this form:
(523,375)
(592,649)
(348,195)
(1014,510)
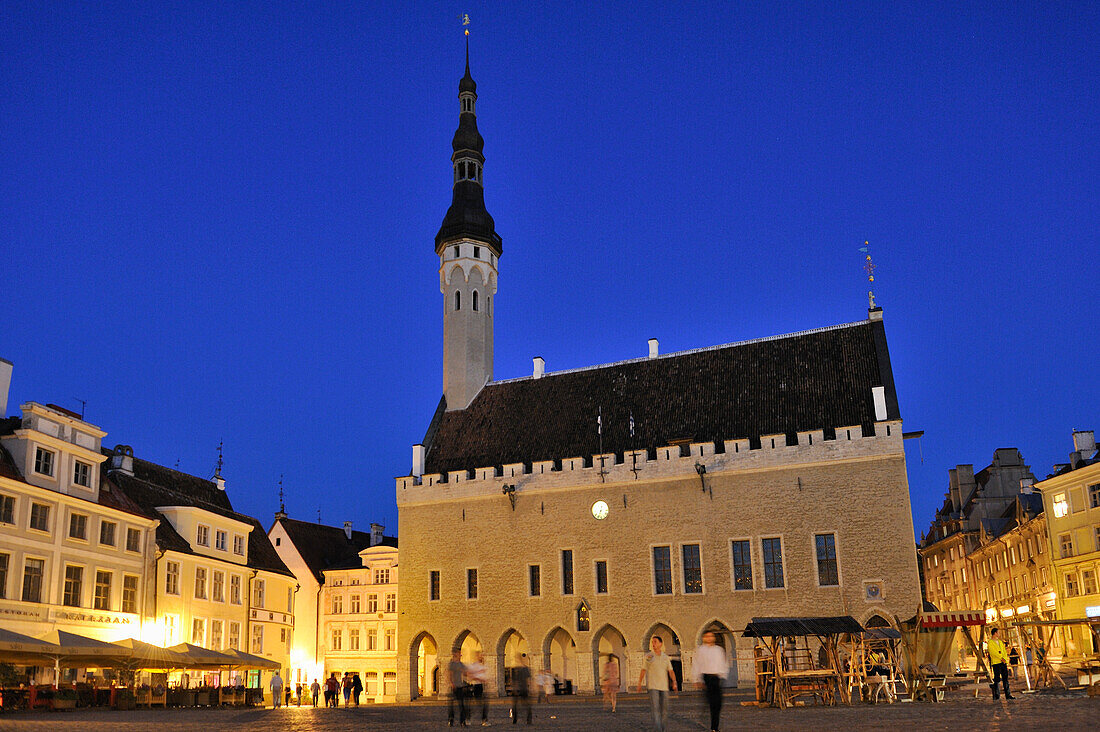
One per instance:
(928,638)
(875,667)
(1038,635)
(786,670)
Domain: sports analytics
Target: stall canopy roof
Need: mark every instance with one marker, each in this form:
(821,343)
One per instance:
(248,660)
(775,627)
(70,645)
(881,634)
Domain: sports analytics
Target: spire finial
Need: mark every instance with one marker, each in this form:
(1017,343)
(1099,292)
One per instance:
(282,503)
(221,461)
(466,32)
(869,268)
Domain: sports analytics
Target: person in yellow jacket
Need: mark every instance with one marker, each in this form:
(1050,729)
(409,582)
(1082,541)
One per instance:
(998,660)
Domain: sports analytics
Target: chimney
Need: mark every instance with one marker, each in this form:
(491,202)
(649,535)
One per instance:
(123,459)
(540,367)
(347,529)
(418,461)
(5,383)
(1084,441)
(220,482)
(376,534)
(1025,485)
(653,348)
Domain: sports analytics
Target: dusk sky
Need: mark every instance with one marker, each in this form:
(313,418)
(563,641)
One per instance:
(217,219)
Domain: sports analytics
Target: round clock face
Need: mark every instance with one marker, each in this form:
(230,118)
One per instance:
(599,509)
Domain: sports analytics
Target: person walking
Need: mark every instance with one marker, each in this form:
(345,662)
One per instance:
(709,670)
(456,672)
(346,683)
(611,681)
(998,659)
(544,680)
(521,689)
(477,674)
(332,690)
(276,690)
(298,692)
(315,690)
(1014,661)
(658,677)
(356,687)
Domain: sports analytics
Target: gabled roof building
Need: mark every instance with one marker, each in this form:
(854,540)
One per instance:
(573,515)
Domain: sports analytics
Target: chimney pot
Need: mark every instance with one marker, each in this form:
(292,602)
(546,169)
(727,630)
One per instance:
(540,367)
(653,348)
(376,534)
(418,461)
(347,529)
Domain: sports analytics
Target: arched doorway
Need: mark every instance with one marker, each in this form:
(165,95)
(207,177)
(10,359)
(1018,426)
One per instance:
(724,638)
(876,621)
(559,654)
(609,645)
(672,648)
(510,649)
(424,661)
(468,644)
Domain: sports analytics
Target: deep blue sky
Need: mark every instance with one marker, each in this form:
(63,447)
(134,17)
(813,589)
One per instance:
(216,219)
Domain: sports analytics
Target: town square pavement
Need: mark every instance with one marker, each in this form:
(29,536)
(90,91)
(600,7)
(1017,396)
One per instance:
(1028,712)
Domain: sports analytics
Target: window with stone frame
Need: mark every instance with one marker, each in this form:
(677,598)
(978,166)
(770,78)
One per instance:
(129,593)
(216,634)
(33,571)
(372,640)
(381,576)
(433,584)
(353,639)
(1065,545)
(1088,582)
(43,461)
(372,603)
(692,566)
(102,590)
(133,540)
(202,535)
(82,474)
(40,517)
(391,602)
(74,580)
(171,578)
(257,639)
(1072,589)
(78,526)
(200,583)
(354,605)
(1094,496)
(772,550)
(107,533)
(7,509)
(234,640)
(198,631)
(827,573)
(235,589)
(389,639)
(258,592)
(337,640)
(220,540)
(217,586)
(662,570)
(742,564)
(337,604)
(238,545)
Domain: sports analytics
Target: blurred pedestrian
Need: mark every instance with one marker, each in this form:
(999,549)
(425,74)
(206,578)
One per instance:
(356,687)
(346,683)
(709,670)
(521,689)
(315,690)
(1014,660)
(298,692)
(276,690)
(332,690)
(478,676)
(611,681)
(545,682)
(658,676)
(456,673)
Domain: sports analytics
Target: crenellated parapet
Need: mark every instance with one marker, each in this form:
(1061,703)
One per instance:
(669,462)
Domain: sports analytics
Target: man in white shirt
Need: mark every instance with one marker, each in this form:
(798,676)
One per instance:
(709,669)
(478,676)
(658,676)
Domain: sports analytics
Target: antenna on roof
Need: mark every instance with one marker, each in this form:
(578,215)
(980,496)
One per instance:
(83,405)
(318,514)
(869,268)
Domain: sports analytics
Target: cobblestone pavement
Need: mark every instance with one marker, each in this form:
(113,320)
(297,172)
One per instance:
(1028,712)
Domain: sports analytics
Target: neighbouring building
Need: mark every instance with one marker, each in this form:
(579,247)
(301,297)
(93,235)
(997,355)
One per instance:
(219,583)
(573,515)
(348,615)
(1071,496)
(73,550)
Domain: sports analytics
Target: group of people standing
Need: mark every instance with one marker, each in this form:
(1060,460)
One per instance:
(468,680)
(351,685)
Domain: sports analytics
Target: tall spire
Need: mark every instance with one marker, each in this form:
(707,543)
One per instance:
(467,218)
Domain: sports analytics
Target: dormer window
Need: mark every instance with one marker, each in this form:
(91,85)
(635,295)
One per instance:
(202,535)
(43,461)
(82,473)
(238,545)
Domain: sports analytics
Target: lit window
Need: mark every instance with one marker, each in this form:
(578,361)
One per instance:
(82,473)
(172,578)
(129,593)
(773,562)
(74,577)
(742,565)
(43,461)
(693,569)
(662,570)
(1061,508)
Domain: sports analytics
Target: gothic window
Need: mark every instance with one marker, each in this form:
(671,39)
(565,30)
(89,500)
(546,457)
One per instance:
(458,300)
(475,301)
(457,251)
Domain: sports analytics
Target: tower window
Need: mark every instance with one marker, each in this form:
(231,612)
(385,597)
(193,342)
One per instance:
(477,252)
(457,252)
(458,301)
(475,300)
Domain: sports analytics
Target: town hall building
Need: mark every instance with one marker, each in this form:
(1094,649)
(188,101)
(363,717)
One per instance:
(573,515)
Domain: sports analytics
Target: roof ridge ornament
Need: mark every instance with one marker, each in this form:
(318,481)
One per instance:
(869,268)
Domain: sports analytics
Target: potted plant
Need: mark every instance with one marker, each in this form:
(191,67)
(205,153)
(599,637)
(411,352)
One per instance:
(202,697)
(64,699)
(125,699)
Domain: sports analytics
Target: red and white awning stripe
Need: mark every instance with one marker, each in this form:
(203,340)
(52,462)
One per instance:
(951,620)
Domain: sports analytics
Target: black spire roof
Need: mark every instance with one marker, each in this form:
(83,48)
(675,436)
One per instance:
(467,217)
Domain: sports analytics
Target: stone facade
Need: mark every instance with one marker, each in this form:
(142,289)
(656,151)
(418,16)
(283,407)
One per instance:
(853,488)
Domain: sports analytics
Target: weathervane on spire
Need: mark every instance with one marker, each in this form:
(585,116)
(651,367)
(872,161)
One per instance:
(282,503)
(466,23)
(221,462)
(869,268)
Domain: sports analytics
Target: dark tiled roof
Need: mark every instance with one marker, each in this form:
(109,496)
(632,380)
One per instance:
(154,485)
(7,465)
(804,381)
(328,547)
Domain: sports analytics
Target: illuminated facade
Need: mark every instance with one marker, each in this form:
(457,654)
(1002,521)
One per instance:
(1072,500)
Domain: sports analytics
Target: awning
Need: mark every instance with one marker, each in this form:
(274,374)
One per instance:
(248,660)
(23,649)
(798,627)
(80,649)
(881,634)
(139,654)
(952,620)
(199,657)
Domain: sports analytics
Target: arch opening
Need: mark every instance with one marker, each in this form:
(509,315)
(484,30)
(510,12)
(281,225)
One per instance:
(511,648)
(671,642)
(559,656)
(727,641)
(609,647)
(424,661)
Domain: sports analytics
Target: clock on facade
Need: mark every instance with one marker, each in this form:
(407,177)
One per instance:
(599,509)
